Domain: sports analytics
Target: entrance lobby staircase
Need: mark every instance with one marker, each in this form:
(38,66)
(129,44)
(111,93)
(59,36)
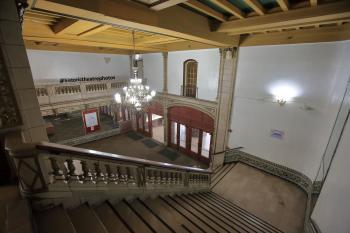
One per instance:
(76,190)
(199,212)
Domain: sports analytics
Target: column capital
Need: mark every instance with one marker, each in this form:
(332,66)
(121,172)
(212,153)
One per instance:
(228,52)
(165,55)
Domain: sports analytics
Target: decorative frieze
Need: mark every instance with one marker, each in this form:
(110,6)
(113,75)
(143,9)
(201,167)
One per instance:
(275,169)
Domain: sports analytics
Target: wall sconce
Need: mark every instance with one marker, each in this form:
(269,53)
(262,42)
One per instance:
(284,92)
(281,101)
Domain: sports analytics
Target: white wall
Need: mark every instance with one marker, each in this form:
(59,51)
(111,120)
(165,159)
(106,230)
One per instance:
(208,71)
(153,70)
(332,209)
(319,73)
(50,65)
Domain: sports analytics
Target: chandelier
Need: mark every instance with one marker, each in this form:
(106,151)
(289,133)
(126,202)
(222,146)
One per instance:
(136,94)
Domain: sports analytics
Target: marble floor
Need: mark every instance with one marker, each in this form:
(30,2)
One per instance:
(124,145)
(279,202)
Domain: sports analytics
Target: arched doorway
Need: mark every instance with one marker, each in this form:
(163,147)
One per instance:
(190,131)
(150,121)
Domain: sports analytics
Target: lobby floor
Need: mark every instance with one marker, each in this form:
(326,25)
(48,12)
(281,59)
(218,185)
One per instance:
(71,126)
(143,147)
(278,202)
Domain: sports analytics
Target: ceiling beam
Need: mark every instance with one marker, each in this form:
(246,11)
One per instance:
(163,4)
(73,48)
(227,6)
(154,39)
(95,30)
(256,6)
(313,2)
(91,43)
(284,4)
(123,13)
(322,13)
(205,9)
(63,25)
(314,35)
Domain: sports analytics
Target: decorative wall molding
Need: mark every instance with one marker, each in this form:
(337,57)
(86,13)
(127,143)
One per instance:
(283,172)
(169,100)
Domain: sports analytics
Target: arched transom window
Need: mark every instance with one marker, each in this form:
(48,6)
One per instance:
(189,87)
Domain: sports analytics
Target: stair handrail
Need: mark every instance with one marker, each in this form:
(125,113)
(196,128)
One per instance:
(48,169)
(81,152)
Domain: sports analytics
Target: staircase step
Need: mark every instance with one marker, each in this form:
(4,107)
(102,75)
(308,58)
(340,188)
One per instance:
(153,220)
(54,220)
(242,211)
(85,220)
(248,219)
(110,219)
(214,216)
(129,216)
(200,218)
(225,171)
(170,216)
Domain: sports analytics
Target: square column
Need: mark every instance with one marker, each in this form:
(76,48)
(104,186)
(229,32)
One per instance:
(16,74)
(228,65)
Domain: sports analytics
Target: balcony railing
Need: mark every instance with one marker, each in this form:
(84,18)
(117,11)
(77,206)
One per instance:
(59,97)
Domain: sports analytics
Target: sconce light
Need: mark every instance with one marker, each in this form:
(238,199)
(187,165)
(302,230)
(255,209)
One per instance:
(280,101)
(284,92)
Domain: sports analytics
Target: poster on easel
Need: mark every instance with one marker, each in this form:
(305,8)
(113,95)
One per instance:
(91,120)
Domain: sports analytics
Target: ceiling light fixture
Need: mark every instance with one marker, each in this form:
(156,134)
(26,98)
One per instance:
(136,94)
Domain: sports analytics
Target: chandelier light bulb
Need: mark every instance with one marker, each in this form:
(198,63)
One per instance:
(118,98)
(153,93)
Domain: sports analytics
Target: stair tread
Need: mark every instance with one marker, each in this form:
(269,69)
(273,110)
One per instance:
(174,219)
(242,216)
(54,220)
(218,178)
(134,222)
(110,220)
(85,220)
(213,218)
(156,224)
(236,220)
(201,219)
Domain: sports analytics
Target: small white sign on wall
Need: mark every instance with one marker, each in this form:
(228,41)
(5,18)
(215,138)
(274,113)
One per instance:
(278,134)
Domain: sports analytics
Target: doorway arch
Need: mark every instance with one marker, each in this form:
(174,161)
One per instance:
(190,131)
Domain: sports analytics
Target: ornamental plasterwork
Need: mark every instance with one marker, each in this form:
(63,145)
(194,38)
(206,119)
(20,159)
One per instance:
(9,114)
(275,169)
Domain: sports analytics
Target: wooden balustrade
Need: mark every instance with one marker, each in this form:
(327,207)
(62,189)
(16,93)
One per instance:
(50,167)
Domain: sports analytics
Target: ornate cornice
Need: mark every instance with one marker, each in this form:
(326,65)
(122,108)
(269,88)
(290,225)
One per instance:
(283,172)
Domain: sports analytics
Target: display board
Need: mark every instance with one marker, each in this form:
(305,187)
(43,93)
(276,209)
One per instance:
(91,120)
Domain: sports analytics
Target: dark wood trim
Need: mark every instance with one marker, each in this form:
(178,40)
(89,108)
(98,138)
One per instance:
(57,149)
